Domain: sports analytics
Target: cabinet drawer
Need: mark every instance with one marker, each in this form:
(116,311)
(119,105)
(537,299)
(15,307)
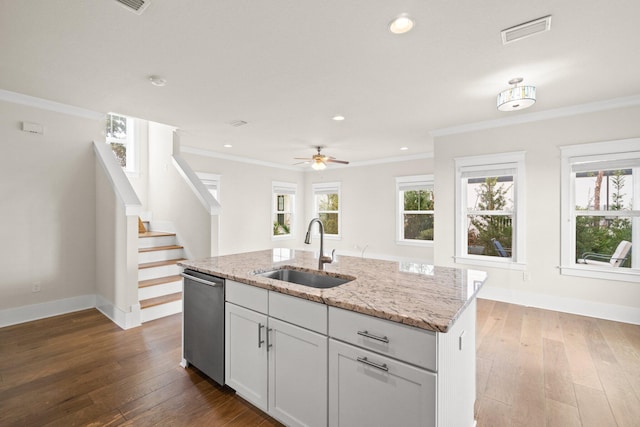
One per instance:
(402,342)
(307,314)
(367,389)
(248,296)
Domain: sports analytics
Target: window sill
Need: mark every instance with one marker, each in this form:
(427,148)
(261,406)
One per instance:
(595,272)
(482,261)
(422,243)
(283,237)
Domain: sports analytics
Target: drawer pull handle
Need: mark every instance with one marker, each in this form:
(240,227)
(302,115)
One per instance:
(373,337)
(366,361)
(260,340)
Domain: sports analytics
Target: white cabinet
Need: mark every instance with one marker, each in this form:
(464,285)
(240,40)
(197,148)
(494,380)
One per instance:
(368,389)
(297,375)
(276,365)
(246,354)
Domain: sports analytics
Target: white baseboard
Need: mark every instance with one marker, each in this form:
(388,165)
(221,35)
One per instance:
(27,313)
(123,319)
(618,313)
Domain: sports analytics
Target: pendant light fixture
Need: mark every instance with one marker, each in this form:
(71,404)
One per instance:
(518,97)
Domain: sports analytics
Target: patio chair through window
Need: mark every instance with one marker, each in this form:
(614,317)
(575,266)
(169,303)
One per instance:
(617,259)
(505,253)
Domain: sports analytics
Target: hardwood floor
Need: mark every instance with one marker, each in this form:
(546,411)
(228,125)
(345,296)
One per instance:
(544,368)
(82,369)
(535,368)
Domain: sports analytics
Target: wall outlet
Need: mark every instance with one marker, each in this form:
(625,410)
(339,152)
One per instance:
(35,287)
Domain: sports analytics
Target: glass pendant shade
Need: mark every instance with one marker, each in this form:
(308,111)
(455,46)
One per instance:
(517,98)
(318,165)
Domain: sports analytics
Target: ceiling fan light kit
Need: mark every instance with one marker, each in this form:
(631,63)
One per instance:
(319,161)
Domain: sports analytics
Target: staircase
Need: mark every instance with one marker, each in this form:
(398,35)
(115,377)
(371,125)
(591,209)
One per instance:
(159,280)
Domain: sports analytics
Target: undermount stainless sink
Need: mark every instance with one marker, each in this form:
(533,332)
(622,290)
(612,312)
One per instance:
(314,280)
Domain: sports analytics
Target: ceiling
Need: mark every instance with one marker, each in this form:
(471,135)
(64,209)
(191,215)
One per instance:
(286,67)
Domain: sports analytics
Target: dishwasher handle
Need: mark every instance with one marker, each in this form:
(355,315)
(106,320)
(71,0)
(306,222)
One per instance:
(204,282)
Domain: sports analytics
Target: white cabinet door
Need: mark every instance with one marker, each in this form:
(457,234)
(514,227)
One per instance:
(367,389)
(246,354)
(297,375)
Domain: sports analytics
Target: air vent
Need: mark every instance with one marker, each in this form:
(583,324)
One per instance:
(135,6)
(237,123)
(525,30)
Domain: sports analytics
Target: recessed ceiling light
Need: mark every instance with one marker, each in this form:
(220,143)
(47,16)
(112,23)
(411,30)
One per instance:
(401,24)
(338,118)
(157,81)
(404,148)
(227,145)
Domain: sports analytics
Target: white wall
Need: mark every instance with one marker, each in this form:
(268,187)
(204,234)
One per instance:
(547,288)
(48,212)
(369,208)
(245,223)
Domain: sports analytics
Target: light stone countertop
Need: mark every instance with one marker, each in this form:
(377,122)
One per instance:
(411,293)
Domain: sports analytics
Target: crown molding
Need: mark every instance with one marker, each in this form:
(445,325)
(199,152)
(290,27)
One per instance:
(216,155)
(45,104)
(592,107)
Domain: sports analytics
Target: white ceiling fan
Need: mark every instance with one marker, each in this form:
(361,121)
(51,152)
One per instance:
(319,161)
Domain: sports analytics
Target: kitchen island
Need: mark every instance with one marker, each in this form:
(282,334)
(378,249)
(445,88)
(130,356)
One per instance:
(395,345)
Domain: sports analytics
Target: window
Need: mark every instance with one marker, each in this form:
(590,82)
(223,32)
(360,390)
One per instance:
(601,208)
(326,206)
(490,210)
(283,202)
(415,209)
(120,135)
(211,182)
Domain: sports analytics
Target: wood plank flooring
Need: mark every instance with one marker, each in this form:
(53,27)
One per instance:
(535,368)
(82,369)
(543,368)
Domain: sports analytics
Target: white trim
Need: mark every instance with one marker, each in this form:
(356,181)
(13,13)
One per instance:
(618,313)
(611,104)
(320,188)
(118,179)
(121,318)
(490,162)
(216,155)
(288,189)
(32,101)
(570,154)
(426,181)
(28,313)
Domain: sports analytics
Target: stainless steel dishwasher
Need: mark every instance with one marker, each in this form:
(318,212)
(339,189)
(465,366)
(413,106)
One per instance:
(203,324)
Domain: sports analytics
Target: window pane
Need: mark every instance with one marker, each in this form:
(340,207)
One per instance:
(481,229)
(601,235)
(490,194)
(607,190)
(418,200)
(281,224)
(330,222)
(120,151)
(327,202)
(418,226)
(116,126)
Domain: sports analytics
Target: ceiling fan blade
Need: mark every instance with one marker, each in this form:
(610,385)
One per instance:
(302,158)
(301,163)
(332,160)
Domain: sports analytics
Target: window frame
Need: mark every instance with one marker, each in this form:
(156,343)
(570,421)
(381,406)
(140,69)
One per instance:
(425,181)
(283,188)
(327,188)
(491,165)
(130,143)
(598,152)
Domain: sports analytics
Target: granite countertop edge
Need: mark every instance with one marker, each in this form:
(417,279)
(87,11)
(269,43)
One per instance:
(350,296)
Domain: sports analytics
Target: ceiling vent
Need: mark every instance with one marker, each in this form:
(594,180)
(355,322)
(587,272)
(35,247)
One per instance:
(525,30)
(237,123)
(135,6)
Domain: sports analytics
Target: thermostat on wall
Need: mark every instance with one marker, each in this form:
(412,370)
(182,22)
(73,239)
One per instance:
(33,128)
